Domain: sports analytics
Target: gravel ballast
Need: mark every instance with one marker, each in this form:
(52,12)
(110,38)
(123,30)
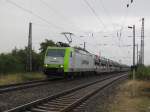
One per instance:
(102,100)
(15,98)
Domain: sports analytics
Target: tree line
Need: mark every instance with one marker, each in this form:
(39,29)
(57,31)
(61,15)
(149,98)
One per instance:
(16,60)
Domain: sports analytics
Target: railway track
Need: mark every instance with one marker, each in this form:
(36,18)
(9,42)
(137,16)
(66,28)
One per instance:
(68,100)
(19,86)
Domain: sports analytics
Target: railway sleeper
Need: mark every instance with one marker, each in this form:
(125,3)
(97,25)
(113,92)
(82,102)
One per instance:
(49,104)
(49,108)
(54,106)
(42,110)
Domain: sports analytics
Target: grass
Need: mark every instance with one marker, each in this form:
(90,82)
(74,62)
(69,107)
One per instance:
(142,72)
(133,96)
(20,77)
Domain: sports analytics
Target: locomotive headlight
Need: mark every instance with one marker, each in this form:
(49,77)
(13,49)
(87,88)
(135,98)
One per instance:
(61,66)
(46,65)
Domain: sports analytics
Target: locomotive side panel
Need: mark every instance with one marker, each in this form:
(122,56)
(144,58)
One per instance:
(82,61)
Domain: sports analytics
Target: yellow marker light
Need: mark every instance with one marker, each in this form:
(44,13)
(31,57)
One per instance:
(61,66)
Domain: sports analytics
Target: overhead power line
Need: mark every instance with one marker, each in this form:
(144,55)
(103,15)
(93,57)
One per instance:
(34,14)
(59,14)
(94,12)
(106,11)
(126,16)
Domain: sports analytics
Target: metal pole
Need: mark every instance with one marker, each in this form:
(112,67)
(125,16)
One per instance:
(141,49)
(133,52)
(29,66)
(84,45)
(139,57)
(137,53)
(143,41)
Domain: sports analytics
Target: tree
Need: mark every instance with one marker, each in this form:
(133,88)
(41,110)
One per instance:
(16,60)
(37,63)
(80,48)
(9,64)
(61,44)
(21,56)
(45,44)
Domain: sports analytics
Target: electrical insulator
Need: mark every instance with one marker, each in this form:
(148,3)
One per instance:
(127,5)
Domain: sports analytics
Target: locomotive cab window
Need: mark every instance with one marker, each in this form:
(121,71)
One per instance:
(70,54)
(56,52)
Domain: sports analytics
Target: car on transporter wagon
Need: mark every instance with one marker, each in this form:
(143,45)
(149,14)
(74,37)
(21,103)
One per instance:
(70,61)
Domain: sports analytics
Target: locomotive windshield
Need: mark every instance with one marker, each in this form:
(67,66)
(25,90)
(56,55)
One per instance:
(56,52)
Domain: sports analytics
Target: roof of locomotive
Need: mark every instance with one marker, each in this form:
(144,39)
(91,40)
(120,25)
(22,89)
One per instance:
(49,47)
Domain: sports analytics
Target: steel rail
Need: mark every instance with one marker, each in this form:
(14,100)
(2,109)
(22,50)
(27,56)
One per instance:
(84,98)
(19,86)
(36,105)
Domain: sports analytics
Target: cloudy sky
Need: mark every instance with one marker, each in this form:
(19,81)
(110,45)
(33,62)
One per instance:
(102,24)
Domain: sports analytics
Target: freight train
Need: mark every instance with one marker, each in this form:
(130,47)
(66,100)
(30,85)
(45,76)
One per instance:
(69,61)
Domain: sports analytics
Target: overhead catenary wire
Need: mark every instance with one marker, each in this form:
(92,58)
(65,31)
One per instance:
(128,11)
(95,14)
(101,3)
(47,21)
(34,14)
(106,11)
(43,27)
(125,17)
(61,16)
(119,32)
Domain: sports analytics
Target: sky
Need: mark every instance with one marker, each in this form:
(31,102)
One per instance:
(102,24)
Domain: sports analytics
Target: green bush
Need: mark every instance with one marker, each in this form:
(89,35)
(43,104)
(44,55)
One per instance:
(8,63)
(16,60)
(143,72)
